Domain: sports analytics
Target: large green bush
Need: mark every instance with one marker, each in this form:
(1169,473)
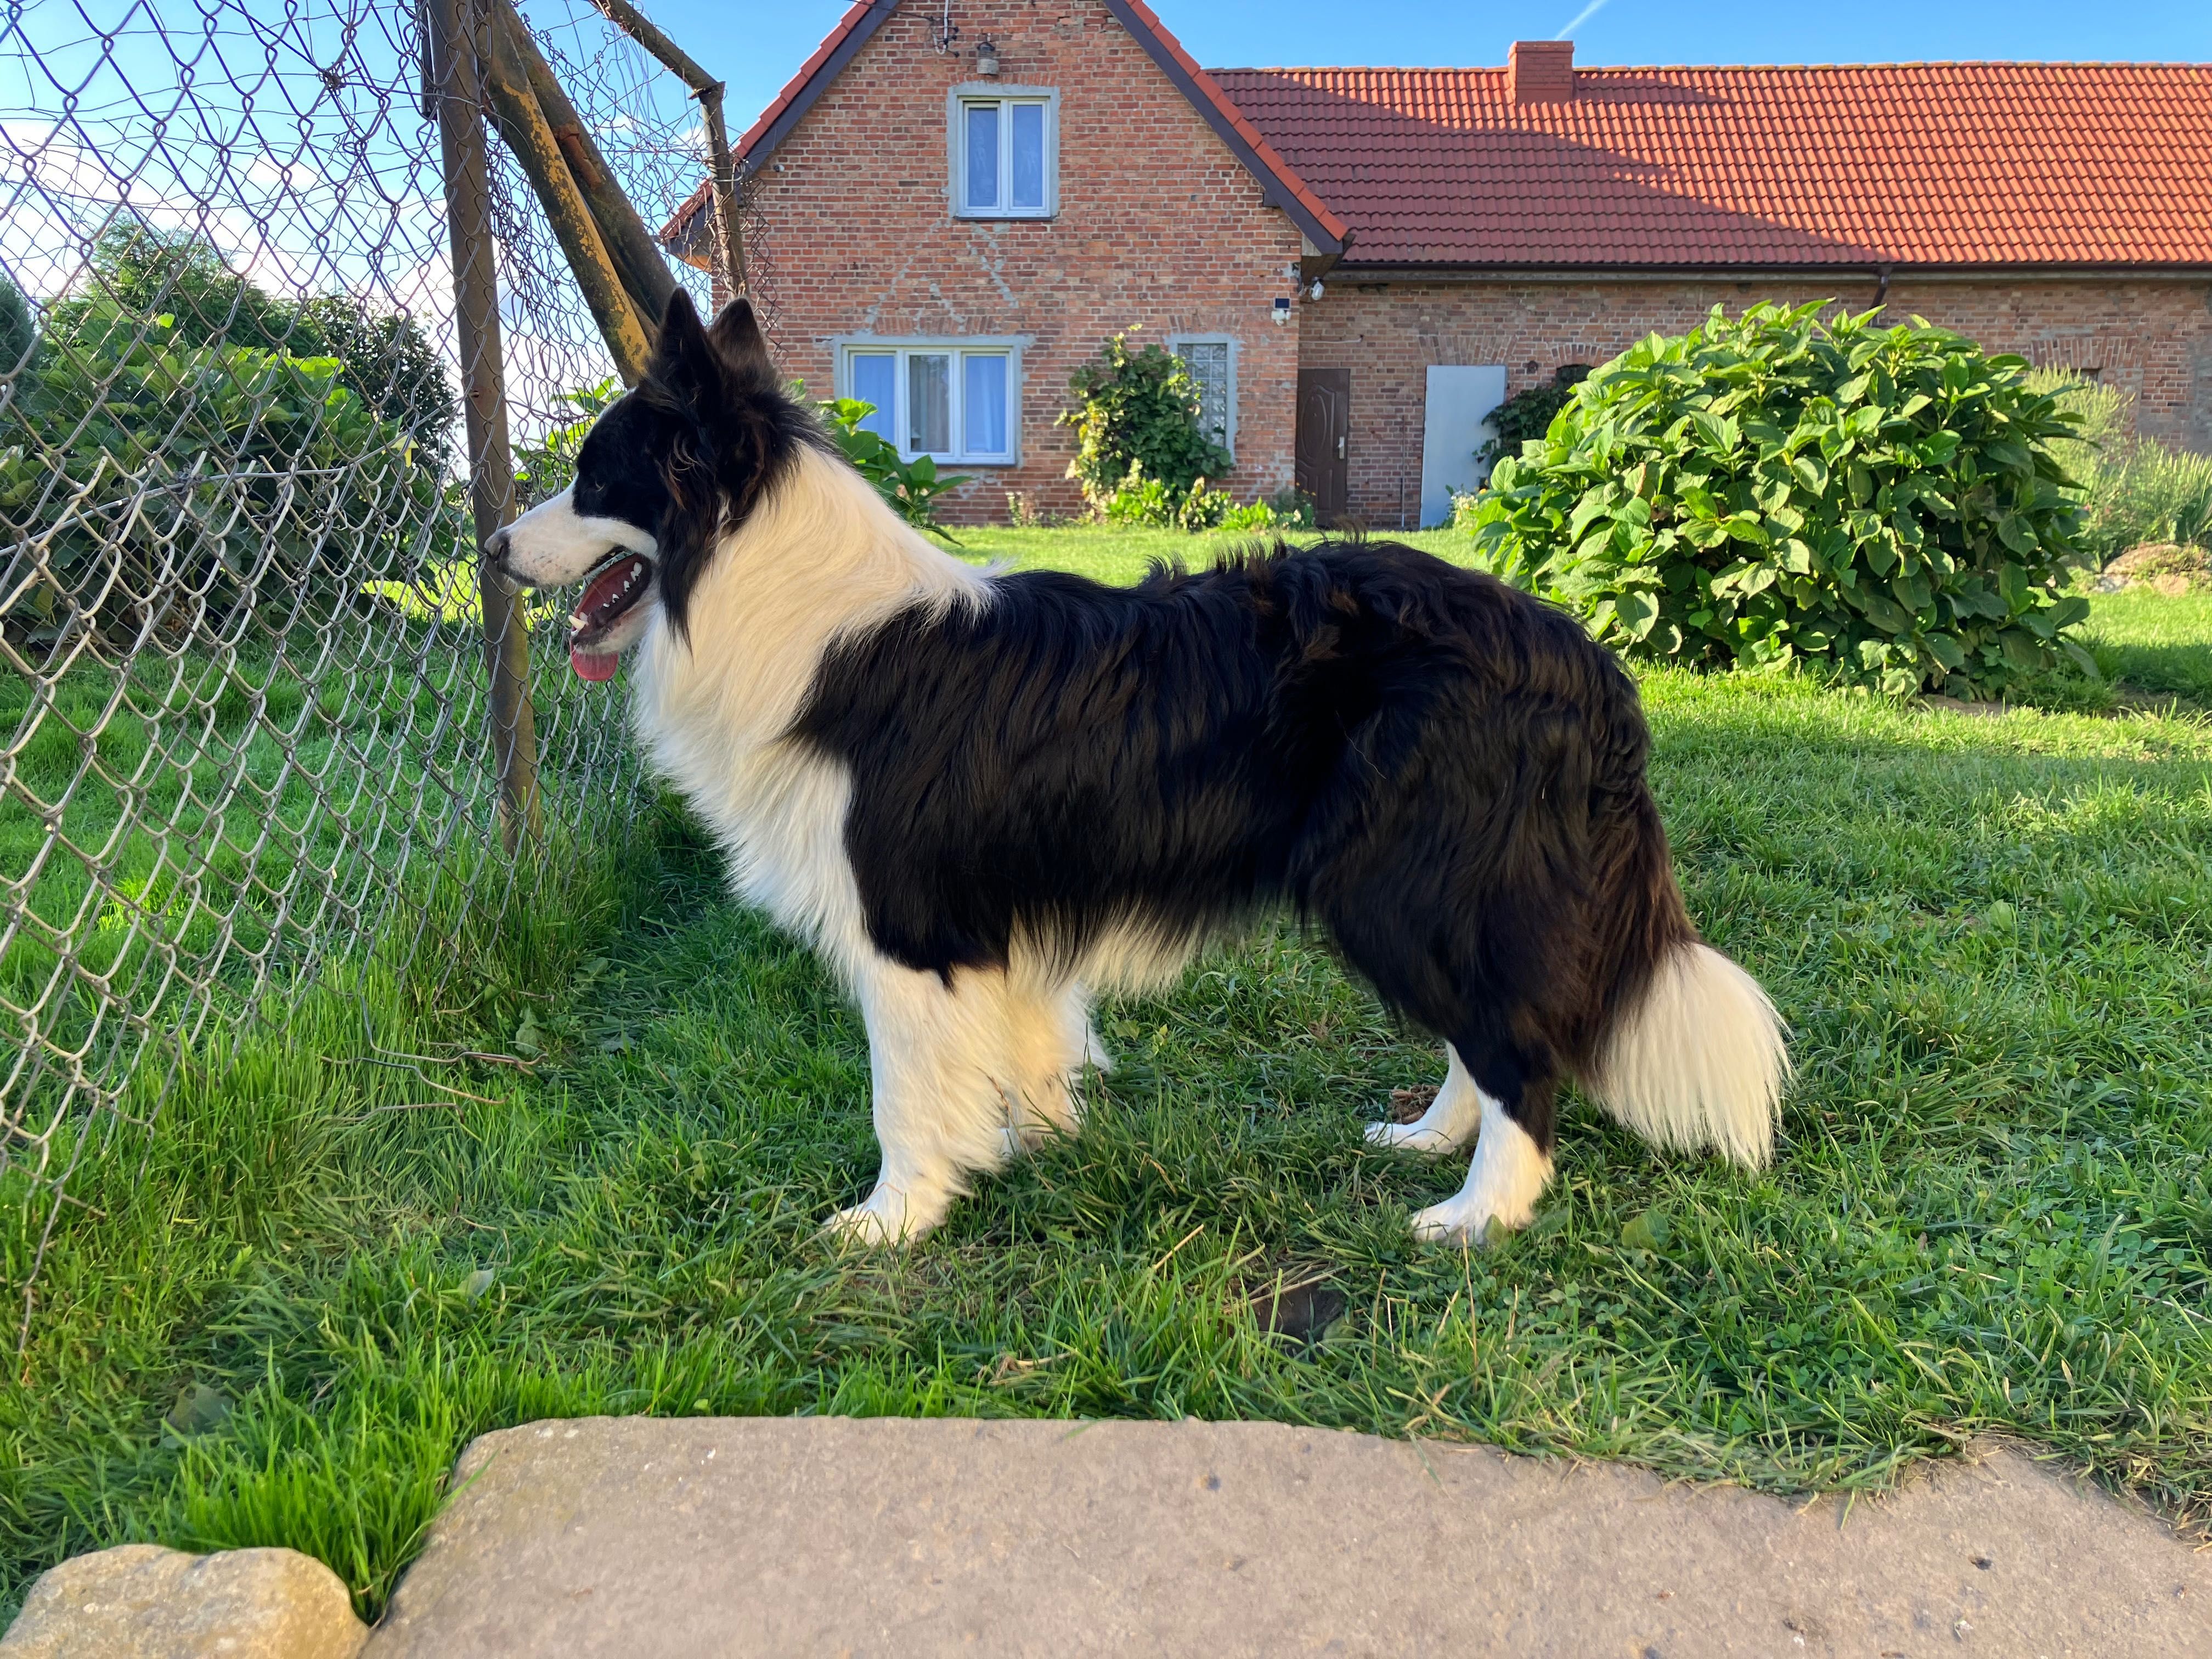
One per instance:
(143,480)
(140,272)
(1137,420)
(178,441)
(1772,487)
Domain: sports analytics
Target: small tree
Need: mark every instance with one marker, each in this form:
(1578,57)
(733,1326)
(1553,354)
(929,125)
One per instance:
(1139,417)
(1771,487)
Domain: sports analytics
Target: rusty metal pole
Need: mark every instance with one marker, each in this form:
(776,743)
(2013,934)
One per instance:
(456,28)
(721,171)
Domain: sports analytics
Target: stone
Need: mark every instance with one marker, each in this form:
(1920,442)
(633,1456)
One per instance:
(141,1601)
(622,1537)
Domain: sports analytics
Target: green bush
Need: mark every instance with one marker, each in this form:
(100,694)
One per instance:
(165,478)
(1770,488)
(139,271)
(546,465)
(1148,503)
(16,332)
(2134,489)
(1137,420)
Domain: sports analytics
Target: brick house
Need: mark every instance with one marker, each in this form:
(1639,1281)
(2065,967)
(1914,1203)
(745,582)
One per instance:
(1358,262)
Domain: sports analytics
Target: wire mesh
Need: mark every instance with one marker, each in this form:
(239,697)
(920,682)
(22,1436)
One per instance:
(244,719)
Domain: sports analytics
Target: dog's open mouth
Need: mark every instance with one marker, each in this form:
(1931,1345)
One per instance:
(614,590)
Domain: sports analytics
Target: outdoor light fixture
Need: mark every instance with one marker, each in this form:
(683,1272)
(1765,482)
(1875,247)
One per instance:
(1282,312)
(986,59)
(1314,293)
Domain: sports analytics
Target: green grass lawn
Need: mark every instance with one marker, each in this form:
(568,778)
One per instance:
(1989,1210)
(2154,642)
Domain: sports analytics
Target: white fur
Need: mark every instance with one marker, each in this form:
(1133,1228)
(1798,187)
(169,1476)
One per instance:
(1504,1181)
(1453,1118)
(1700,1061)
(553,544)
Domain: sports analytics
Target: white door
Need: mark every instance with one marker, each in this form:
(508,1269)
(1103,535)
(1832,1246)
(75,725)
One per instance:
(1456,425)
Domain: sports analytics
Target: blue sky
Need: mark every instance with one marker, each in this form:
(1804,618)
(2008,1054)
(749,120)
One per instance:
(756,48)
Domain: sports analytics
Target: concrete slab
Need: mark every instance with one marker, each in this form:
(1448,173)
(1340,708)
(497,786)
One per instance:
(630,1537)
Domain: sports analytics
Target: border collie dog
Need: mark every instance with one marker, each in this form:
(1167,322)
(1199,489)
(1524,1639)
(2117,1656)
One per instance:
(986,798)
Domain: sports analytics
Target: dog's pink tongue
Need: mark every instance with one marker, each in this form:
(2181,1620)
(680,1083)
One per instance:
(591,664)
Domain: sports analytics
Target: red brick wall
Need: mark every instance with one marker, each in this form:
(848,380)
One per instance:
(1158,226)
(2152,338)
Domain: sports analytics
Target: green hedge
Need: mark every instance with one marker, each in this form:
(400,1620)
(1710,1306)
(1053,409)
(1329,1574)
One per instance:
(1773,488)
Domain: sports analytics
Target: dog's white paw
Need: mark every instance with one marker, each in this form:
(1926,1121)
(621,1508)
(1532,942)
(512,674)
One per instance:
(1410,1138)
(885,1218)
(1461,1220)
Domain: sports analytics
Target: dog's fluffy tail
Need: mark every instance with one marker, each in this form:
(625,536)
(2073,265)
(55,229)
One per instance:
(1698,1059)
(1688,1051)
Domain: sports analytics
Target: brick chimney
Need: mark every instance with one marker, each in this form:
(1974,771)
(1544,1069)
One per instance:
(1540,72)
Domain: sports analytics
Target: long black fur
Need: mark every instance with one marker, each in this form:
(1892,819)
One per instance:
(1443,773)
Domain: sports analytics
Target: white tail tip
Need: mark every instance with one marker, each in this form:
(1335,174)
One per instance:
(1699,1062)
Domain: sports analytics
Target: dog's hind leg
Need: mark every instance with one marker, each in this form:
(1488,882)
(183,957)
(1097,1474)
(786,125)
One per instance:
(1512,1162)
(1448,1125)
(942,1061)
(1053,1041)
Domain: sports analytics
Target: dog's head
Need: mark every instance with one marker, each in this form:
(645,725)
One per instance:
(669,468)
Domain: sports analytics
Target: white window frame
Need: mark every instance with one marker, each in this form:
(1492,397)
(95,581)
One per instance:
(956,154)
(1177,342)
(1007,346)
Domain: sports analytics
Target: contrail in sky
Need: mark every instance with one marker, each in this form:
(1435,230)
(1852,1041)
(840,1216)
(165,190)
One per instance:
(1581,18)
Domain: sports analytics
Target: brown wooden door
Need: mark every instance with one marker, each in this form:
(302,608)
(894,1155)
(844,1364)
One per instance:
(1324,470)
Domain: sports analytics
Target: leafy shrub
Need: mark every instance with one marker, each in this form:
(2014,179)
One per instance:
(389,362)
(2134,489)
(1139,499)
(162,477)
(139,271)
(911,487)
(1528,414)
(1770,488)
(1137,420)
(1147,502)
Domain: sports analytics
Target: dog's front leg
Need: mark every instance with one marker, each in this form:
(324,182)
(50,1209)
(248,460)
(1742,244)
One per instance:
(940,1058)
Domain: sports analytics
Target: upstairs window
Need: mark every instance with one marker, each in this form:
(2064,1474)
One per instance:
(955,400)
(1006,154)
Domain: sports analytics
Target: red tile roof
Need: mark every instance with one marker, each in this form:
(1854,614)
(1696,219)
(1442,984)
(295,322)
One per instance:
(1943,164)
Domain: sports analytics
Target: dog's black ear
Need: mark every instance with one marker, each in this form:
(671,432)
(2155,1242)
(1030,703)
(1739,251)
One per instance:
(682,361)
(736,338)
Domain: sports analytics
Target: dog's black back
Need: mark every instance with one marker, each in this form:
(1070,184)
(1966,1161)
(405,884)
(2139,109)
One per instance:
(1443,772)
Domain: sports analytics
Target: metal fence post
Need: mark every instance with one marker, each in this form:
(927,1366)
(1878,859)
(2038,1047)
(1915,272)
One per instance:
(457,32)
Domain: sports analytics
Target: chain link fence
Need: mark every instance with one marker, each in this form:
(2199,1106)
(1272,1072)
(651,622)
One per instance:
(246,706)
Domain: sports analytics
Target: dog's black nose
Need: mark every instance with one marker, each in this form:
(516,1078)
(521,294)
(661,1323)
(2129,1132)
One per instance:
(496,551)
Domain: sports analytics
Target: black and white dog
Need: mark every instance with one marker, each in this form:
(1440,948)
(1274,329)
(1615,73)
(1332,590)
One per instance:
(986,798)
